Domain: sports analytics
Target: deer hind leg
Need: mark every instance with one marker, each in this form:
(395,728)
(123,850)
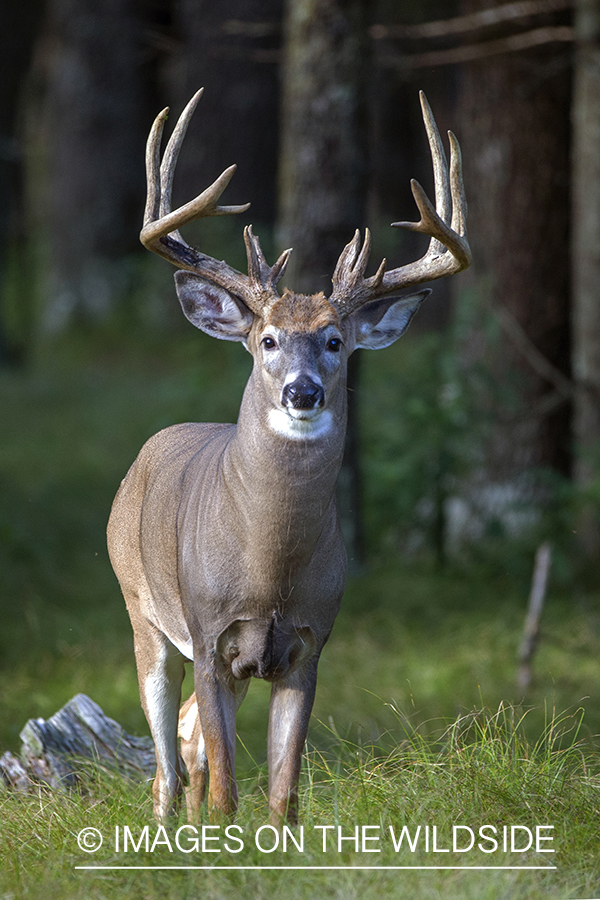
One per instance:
(193,753)
(160,675)
(193,750)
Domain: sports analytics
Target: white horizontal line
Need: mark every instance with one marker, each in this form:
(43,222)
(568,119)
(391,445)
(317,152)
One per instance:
(316,868)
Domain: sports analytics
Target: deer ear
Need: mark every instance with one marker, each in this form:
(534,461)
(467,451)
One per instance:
(380,323)
(212,308)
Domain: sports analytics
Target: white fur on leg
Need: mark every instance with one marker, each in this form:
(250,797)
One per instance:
(162,704)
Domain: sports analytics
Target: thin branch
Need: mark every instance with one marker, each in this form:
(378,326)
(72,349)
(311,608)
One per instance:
(239,28)
(513,44)
(566,388)
(539,583)
(538,412)
(538,362)
(486,18)
(221,51)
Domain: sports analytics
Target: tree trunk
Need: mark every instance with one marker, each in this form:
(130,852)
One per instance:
(231,48)
(18,26)
(91,131)
(515,137)
(323,171)
(586,254)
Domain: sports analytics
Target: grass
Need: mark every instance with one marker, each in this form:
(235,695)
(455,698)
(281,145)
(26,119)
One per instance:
(480,773)
(394,740)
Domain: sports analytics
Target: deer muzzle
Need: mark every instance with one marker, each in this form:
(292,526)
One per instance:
(303,394)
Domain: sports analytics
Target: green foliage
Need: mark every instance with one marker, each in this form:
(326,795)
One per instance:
(18,301)
(429,408)
(424,427)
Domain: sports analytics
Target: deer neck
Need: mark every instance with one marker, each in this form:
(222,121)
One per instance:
(285,486)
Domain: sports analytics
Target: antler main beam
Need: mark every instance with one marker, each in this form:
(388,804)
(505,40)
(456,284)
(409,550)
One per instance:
(448,251)
(160,232)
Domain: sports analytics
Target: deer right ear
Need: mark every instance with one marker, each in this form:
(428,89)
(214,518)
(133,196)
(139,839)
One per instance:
(212,308)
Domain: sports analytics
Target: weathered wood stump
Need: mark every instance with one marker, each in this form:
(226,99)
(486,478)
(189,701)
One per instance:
(53,750)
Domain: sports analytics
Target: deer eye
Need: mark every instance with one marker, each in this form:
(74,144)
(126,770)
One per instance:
(334,344)
(269,343)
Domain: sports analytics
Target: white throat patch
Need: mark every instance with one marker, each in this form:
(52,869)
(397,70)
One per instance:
(300,429)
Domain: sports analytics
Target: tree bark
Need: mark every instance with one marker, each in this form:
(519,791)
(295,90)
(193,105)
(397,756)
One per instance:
(19,26)
(323,172)
(516,141)
(90,134)
(231,48)
(586,254)
(323,164)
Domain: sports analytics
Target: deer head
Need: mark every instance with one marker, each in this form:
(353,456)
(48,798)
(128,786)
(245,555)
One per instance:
(301,343)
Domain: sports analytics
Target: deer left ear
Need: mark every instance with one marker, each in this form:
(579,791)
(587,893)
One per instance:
(380,323)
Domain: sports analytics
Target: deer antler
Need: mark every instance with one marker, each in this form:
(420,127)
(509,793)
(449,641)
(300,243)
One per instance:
(448,250)
(161,226)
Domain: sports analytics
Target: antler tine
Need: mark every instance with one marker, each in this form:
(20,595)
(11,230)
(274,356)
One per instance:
(160,232)
(258,268)
(279,267)
(262,276)
(459,201)
(350,288)
(448,251)
(431,224)
(171,154)
(152,209)
(346,261)
(353,259)
(159,221)
(443,202)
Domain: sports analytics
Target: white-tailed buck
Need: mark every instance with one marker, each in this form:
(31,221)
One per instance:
(225,538)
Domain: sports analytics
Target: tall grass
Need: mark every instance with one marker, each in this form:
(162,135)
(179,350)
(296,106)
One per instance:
(480,773)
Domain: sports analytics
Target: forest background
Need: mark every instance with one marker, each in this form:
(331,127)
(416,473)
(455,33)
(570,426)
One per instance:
(472,442)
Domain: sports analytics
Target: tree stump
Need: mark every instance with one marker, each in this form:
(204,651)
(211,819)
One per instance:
(53,750)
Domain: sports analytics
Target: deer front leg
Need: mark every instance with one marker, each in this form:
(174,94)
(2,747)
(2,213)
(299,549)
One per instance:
(292,700)
(160,674)
(216,709)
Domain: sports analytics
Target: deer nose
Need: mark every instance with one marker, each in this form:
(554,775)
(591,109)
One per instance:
(303,393)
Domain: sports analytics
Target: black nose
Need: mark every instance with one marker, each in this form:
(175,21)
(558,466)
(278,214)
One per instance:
(303,394)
